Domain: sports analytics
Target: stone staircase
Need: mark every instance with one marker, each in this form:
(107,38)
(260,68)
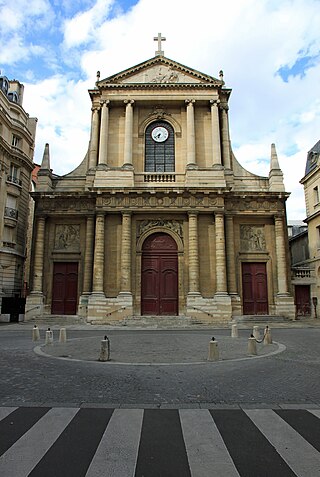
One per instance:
(59,320)
(153,322)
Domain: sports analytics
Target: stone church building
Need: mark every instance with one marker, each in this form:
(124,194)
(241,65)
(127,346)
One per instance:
(160,218)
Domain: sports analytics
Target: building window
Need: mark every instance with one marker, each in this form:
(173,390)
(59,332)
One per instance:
(316,195)
(15,141)
(318,236)
(14,174)
(8,237)
(159,147)
(11,208)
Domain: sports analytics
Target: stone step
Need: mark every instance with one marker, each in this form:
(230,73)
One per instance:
(56,320)
(154,321)
(247,319)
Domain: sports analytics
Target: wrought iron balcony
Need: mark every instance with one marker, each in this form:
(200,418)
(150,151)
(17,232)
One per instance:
(11,213)
(14,180)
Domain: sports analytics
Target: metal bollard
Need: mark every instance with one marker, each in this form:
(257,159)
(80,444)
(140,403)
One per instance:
(252,346)
(35,333)
(213,352)
(256,332)
(49,337)
(267,336)
(234,331)
(105,349)
(63,335)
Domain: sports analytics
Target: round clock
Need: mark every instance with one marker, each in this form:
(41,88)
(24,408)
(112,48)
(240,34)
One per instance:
(160,134)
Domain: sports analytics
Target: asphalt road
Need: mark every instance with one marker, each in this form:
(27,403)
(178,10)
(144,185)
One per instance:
(288,378)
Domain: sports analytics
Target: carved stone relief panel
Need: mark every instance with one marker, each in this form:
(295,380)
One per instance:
(160,201)
(67,237)
(252,238)
(174,225)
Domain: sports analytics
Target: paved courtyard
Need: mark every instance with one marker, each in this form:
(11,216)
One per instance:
(164,368)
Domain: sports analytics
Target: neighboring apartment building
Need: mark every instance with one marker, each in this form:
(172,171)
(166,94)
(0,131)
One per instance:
(311,183)
(302,275)
(17,136)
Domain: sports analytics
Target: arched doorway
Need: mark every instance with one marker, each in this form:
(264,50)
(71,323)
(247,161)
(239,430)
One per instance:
(159,275)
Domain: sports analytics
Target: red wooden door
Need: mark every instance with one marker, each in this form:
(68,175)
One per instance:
(254,287)
(64,289)
(159,276)
(302,299)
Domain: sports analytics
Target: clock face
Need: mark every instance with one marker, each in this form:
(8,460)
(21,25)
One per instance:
(160,134)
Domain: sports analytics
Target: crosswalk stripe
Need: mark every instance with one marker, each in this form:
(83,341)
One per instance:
(18,423)
(162,451)
(307,425)
(249,449)
(315,412)
(117,452)
(21,458)
(206,450)
(297,452)
(5,411)
(72,452)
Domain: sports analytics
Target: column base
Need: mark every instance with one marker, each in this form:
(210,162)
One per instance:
(34,305)
(209,310)
(284,306)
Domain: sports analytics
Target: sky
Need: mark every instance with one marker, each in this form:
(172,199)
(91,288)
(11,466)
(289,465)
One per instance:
(269,51)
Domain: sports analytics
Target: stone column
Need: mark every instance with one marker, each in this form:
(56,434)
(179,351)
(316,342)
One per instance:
(98,261)
(221,276)
(215,127)
(281,256)
(126,254)
(88,257)
(191,144)
(38,256)
(231,259)
(94,138)
(103,145)
(193,254)
(128,133)
(225,136)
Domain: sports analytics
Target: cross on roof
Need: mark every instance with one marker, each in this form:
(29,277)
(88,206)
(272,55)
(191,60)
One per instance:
(159,39)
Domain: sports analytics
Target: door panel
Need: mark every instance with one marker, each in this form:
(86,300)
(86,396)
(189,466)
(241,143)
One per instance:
(255,290)
(302,299)
(159,276)
(65,288)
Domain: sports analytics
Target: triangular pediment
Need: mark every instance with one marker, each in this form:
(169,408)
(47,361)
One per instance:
(159,70)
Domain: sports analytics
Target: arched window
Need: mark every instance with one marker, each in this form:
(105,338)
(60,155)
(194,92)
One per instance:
(159,147)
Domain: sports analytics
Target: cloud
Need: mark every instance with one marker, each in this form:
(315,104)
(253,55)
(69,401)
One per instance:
(81,28)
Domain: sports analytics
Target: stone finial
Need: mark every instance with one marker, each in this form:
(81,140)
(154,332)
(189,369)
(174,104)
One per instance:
(276,183)
(274,163)
(45,164)
(221,75)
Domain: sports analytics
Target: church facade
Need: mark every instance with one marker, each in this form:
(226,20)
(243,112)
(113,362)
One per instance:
(160,218)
